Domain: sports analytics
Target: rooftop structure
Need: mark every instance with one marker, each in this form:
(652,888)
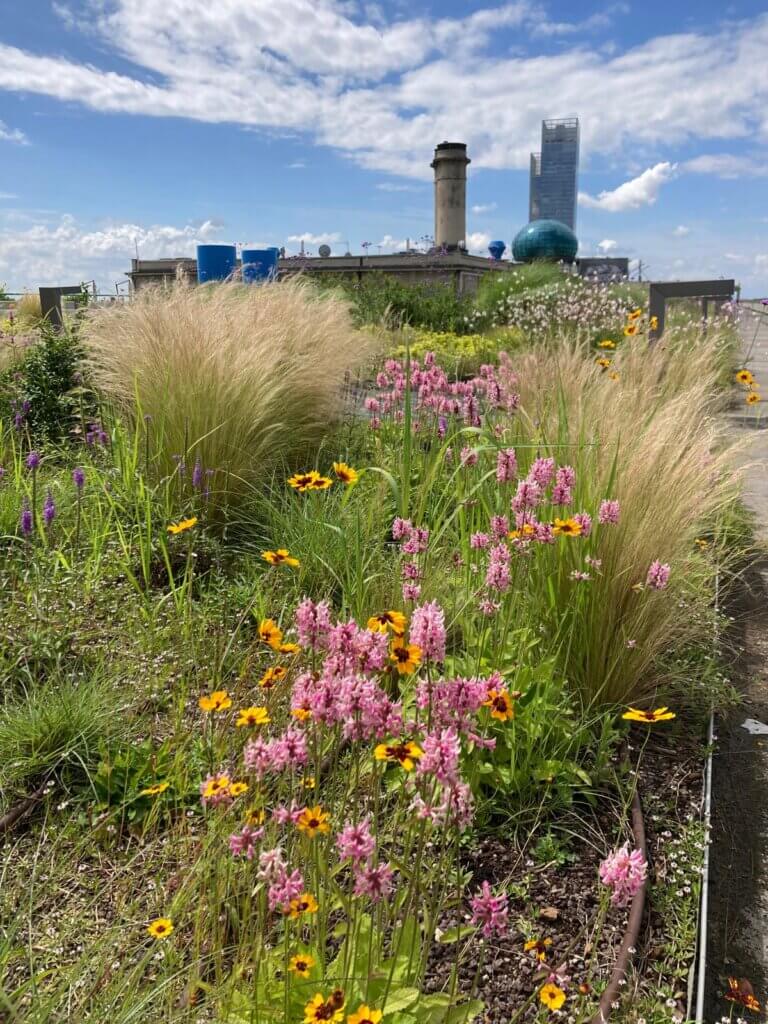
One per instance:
(554,173)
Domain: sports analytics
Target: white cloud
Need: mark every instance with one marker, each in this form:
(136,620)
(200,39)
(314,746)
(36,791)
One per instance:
(296,165)
(483,208)
(607,245)
(324,238)
(681,231)
(384,94)
(477,242)
(66,252)
(595,22)
(392,186)
(727,165)
(640,191)
(8,195)
(12,135)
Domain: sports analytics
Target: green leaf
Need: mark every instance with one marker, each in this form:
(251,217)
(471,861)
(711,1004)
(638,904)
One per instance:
(401,999)
(464,1013)
(459,931)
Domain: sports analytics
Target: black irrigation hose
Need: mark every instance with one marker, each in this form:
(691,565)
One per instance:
(632,933)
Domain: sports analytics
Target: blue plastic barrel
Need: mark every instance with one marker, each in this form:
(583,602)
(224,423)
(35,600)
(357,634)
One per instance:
(215,262)
(260,264)
(496,249)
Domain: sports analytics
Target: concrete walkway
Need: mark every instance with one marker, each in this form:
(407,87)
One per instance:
(738,919)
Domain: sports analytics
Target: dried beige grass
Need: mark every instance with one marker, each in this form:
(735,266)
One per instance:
(239,377)
(655,440)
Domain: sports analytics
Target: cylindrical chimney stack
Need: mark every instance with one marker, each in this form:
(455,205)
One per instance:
(450,166)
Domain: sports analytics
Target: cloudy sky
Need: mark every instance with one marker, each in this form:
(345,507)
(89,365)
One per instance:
(150,125)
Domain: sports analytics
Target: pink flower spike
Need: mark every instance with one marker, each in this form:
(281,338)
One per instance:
(658,575)
(428,631)
(491,912)
(624,873)
(608,512)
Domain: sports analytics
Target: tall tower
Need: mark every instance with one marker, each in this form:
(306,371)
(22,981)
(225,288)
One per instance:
(450,167)
(554,172)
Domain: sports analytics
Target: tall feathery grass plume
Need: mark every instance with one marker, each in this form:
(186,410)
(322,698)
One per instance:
(234,379)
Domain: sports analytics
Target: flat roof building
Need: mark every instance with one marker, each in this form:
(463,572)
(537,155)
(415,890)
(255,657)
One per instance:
(554,173)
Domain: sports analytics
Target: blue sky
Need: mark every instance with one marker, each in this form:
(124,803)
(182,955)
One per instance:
(160,123)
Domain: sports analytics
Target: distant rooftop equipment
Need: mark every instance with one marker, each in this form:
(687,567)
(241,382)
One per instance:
(324,251)
(545,240)
(496,249)
(450,167)
(260,265)
(215,262)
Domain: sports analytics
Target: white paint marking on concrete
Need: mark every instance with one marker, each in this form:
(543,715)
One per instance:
(756,728)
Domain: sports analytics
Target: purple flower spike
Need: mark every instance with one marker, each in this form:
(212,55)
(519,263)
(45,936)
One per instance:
(197,474)
(27,523)
(49,509)
(33,460)
(78,476)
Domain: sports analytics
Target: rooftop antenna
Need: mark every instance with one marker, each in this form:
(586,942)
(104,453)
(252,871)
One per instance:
(301,251)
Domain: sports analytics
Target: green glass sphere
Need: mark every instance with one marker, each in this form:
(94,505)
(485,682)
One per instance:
(545,240)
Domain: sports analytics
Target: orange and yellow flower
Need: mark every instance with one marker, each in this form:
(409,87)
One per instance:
(273,675)
(304,904)
(539,948)
(393,620)
(160,928)
(524,533)
(405,754)
(606,343)
(301,964)
(320,1010)
(156,790)
(552,996)
(740,991)
(216,785)
(365,1015)
(313,820)
(238,788)
(303,481)
(185,524)
(280,557)
(630,330)
(405,657)
(658,715)
(251,717)
(603,362)
(270,633)
(320,483)
(567,528)
(745,377)
(219,700)
(752,398)
(501,704)
(345,474)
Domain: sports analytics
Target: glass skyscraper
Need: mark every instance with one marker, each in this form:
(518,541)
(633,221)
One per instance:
(554,173)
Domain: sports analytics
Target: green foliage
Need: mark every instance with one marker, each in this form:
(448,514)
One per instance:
(50,378)
(460,354)
(380,299)
(496,287)
(362,971)
(55,728)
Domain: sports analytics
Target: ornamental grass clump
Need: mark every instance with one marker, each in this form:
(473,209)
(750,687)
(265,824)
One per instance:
(227,378)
